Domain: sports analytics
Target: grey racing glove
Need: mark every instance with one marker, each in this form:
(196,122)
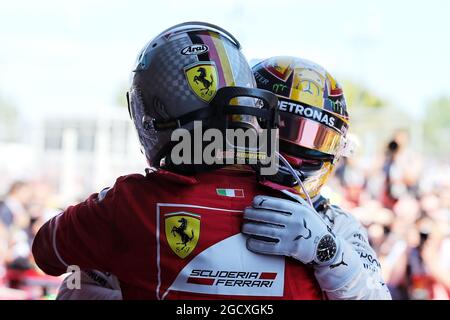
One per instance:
(281,227)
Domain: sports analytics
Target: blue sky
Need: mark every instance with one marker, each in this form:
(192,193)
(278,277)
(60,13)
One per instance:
(61,56)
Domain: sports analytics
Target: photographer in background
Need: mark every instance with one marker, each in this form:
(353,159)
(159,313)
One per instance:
(401,170)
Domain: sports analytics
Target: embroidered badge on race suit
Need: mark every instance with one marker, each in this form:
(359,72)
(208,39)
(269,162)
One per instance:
(211,266)
(203,79)
(231,193)
(182,232)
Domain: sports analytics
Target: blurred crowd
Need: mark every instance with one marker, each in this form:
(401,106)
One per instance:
(402,199)
(404,202)
(23,209)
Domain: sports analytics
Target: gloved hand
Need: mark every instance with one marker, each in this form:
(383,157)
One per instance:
(282,227)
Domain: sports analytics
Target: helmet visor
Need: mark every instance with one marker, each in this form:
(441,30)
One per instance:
(309,134)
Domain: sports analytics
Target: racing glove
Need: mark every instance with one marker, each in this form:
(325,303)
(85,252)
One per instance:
(282,227)
(368,283)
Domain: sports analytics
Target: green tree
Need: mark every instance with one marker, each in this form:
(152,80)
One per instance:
(120,98)
(9,117)
(359,96)
(437,126)
(373,118)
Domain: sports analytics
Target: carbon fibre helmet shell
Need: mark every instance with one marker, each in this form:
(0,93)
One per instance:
(179,72)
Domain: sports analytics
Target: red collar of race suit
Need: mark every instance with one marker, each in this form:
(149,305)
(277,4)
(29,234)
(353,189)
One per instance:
(171,176)
(192,180)
(320,203)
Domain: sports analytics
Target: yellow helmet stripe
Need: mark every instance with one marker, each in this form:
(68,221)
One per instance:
(224,61)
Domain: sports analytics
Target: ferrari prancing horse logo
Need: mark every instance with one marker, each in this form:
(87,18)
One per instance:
(203,80)
(182,232)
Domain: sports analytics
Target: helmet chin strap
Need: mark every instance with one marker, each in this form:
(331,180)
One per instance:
(297,178)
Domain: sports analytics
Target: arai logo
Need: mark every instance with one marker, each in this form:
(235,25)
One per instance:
(195,49)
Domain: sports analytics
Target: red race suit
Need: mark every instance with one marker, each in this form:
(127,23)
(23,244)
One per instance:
(166,236)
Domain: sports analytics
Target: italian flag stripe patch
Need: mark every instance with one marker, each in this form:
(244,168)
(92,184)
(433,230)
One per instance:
(233,193)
